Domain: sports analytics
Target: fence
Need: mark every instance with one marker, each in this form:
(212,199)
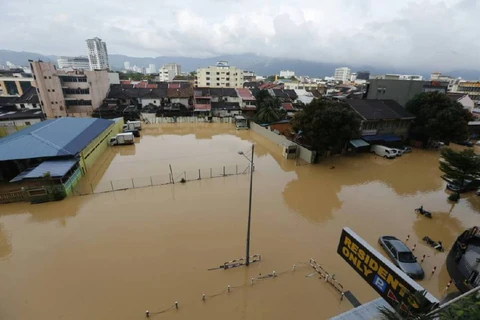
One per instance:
(158,180)
(304,153)
(150,118)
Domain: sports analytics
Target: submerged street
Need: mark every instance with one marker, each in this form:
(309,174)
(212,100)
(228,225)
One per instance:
(114,255)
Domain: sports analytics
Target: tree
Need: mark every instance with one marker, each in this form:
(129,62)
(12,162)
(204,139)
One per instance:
(326,124)
(459,166)
(268,108)
(438,117)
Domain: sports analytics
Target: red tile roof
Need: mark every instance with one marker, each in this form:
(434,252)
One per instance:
(245,94)
(287,106)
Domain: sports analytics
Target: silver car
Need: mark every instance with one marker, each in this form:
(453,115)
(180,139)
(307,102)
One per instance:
(402,257)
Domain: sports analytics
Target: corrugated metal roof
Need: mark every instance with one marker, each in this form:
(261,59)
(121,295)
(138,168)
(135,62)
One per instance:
(56,168)
(50,138)
(367,311)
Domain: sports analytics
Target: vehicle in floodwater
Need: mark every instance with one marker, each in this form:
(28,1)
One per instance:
(241,122)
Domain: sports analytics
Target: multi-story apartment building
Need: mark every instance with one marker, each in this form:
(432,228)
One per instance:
(342,74)
(80,63)
(97,54)
(472,88)
(68,93)
(219,76)
(151,68)
(14,82)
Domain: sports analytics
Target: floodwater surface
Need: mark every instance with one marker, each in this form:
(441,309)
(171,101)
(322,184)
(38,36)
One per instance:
(114,255)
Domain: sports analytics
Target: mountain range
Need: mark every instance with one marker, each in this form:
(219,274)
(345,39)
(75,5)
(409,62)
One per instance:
(261,65)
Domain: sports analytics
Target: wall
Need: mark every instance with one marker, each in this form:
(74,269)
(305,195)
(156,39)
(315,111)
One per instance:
(99,86)
(95,148)
(49,89)
(399,90)
(8,127)
(304,153)
(72,181)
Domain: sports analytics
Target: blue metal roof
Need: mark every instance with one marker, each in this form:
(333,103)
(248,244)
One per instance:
(51,138)
(384,137)
(56,168)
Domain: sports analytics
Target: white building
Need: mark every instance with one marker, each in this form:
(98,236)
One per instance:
(175,68)
(126,65)
(97,54)
(287,73)
(80,63)
(342,74)
(219,76)
(151,68)
(353,77)
(165,74)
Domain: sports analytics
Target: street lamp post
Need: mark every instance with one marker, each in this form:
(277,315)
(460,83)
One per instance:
(247,261)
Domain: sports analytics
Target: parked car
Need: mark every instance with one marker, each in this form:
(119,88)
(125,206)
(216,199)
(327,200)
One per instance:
(383,151)
(406,149)
(468,185)
(466,143)
(402,257)
(399,151)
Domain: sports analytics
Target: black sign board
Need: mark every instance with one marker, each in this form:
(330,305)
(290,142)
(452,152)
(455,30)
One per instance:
(391,283)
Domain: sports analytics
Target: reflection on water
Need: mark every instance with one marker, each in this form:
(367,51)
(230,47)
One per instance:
(5,243)
(114,255)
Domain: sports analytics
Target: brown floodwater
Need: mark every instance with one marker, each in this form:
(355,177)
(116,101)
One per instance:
(114,255)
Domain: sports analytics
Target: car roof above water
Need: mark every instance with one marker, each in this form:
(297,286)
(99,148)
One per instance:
(398,245)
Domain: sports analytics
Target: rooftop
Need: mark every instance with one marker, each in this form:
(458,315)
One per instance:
(371,109)
(56,169)
(52,138)
(6,114)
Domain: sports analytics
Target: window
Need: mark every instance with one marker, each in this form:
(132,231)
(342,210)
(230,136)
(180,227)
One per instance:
(49,77)
(208,83)
(218,73)
(406,257)
(48,90)
(53,90)
(218,84)
(218,79)
(27,123)
(44,77)
(22,106)
(208,78)
(154,101)
(208,72)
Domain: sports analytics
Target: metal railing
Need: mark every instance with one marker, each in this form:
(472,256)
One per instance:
(159,180)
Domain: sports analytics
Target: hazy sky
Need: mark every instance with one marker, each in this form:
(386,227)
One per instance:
(423,33)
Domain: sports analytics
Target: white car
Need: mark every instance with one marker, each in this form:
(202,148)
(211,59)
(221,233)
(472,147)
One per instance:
(383,151)
(399,151)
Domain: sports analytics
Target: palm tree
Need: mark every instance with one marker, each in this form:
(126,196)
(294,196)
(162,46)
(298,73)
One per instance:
(268,111)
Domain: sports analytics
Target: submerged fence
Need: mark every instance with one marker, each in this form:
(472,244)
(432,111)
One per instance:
(151,118)
(158,180)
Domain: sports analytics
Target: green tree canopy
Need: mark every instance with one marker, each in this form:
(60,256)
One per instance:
(459,166)
(326,124)
(438,117)
(268,108)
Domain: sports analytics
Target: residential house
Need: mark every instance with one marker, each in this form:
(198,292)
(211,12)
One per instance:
(13,119)
(304,96)
(226,109)
(248,102)
(28,100)
(202,102)
(399,90)
(463,99)
(383,121)
(472,88)
(182,95)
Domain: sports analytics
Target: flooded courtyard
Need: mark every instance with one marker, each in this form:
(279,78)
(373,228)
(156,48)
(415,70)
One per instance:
(116,254)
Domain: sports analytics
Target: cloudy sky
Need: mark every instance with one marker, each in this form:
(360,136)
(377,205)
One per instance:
(401,33)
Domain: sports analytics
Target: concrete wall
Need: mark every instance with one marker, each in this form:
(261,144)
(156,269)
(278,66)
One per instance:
(8,127)
(99,86)
(72,181)
(90,154)
(399,90)
(49,89)
(304,153)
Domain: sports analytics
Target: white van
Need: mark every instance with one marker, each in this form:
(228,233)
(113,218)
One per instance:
(383,151)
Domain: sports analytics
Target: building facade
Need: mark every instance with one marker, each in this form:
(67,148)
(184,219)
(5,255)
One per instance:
(399,90)
(363,75)
(287,73)
(472,88)
(97,54)
(81,63)
(69,93)
(151,68)
(342,74)
(221,75)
